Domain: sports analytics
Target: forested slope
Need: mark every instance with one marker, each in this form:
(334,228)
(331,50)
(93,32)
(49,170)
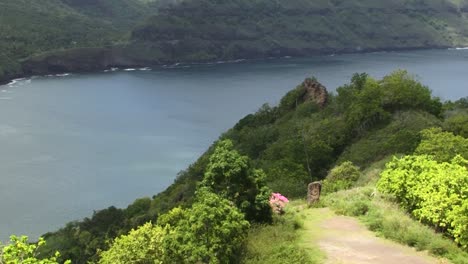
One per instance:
(148,32)
(208,29)
(294,143)
(32,27)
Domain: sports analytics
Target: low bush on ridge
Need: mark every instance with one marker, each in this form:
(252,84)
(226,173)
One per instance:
(341,177)
(19,250)
(434,193)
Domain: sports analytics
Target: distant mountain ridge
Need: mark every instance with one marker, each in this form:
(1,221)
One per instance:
(29,28)
(208,29)
(85,35)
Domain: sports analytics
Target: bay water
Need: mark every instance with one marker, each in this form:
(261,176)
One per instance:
(75,143)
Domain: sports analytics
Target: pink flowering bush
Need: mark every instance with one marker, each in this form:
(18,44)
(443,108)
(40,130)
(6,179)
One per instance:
(278,202)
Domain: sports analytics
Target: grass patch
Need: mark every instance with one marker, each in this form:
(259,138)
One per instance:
(371,174)
(312,232)
(388,220)
(280,242)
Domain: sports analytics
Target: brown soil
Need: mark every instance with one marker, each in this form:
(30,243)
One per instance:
(345,240)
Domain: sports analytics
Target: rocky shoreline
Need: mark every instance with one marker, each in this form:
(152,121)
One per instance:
(88,60)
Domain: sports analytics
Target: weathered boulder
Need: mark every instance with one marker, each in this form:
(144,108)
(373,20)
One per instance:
(314,91)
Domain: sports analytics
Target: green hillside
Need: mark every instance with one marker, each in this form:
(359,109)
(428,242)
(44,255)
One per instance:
(208,29)
(294,143)
(33,27)
(310,135)
(144,32)
(121,13)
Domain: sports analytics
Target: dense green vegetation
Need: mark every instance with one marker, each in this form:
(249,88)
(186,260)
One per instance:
(303,142)
(285,147)
(279,148)
(213,229)
(142,245)
(29,27)
(231,176)
(433,185)
(33,27)
(209,29)
(341,177)
(137,32)
(442,146)
(20,250)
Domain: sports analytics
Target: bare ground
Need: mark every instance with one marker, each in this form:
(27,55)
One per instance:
(345,240)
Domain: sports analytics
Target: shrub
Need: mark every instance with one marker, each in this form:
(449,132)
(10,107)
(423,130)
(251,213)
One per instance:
(212,231)
(142,245)
(443,146)
(20,251)
(288,177)
(458,124)
(341,177)
(354,202)
(435,193)
(402,91)
(231,175)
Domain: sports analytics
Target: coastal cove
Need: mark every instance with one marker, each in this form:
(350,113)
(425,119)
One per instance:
(87,141)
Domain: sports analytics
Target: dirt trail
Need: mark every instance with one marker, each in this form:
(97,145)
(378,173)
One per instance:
(345,240)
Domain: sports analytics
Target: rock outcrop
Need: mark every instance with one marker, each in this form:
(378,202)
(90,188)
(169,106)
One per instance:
(314,91)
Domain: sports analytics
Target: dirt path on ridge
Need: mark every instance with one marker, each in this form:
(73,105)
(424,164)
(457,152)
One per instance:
(345,240)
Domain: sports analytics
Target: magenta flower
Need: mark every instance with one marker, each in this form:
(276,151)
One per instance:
(278,202)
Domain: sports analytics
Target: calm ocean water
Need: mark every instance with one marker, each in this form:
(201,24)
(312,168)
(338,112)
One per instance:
(73,144)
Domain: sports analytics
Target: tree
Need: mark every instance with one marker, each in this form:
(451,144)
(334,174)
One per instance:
(232,177)
(140,246)
(443,146)
(288,178)
(341,177)
(367,102)
(364,108)
(347,93)
(402,91)
(457,124)
(212,231)
(19,251)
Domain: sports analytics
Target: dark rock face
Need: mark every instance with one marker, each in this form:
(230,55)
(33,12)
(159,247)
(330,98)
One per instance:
(77,60)
(315,91)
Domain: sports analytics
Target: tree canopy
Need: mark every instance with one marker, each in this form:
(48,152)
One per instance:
(433,192)
(232,176)
(20,251)
(443,146)
(212,230)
